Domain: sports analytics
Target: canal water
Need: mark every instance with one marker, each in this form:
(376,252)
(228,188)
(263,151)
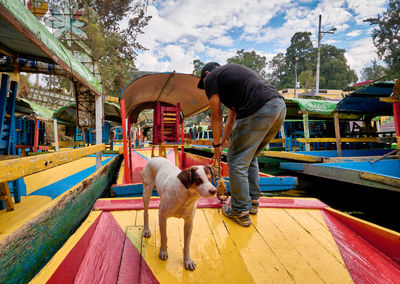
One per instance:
(378,206)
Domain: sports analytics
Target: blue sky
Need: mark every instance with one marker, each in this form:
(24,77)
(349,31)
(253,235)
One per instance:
(209,30)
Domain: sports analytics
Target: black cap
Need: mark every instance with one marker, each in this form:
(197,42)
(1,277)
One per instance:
(208,67)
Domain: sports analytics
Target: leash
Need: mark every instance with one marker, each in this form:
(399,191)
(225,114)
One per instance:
(222,192)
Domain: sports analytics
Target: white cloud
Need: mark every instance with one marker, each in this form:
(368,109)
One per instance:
(354,33)
(366,8)
(183,30)
(361,53)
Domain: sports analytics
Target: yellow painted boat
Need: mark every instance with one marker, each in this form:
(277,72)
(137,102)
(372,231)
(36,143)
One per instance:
(289,241)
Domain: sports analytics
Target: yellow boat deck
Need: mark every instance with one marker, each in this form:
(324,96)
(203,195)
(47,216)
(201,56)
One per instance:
(282,246)
(42,188)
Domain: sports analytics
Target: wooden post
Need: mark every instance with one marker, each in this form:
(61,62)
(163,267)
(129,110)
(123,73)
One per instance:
(129,128)
(6,196)
(123,121)
(99,126)
(55,128)
(306,130)
(36,136)
(337,134)
(3,99)
(283,135)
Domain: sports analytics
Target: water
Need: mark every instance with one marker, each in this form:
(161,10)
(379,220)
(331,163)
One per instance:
(378,206)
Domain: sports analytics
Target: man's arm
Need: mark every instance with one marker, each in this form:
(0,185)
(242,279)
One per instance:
(216,117)
(228,126)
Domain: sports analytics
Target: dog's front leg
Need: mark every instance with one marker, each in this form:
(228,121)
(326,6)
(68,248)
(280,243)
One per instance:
(163,232)
(189,263)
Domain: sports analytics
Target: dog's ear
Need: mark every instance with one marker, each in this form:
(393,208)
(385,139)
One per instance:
(211,170)
(185,177)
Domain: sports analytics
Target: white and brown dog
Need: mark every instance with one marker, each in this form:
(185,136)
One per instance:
(179,191)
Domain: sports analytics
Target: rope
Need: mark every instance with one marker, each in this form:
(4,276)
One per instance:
(222,192)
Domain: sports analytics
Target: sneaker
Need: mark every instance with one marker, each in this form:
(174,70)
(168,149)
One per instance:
(241,218)
(254,207)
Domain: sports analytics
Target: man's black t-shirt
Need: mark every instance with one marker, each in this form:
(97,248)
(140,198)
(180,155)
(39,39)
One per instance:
(239,88)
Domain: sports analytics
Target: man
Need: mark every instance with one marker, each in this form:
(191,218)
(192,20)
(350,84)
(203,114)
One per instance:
(256,112)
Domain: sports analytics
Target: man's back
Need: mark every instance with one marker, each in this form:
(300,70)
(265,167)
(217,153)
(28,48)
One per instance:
(240,88)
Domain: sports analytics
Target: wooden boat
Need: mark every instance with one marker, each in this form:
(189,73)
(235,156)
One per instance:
(56,190)
(373,168)
(290,241)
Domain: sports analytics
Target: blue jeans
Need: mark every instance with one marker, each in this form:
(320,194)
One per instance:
(250,135)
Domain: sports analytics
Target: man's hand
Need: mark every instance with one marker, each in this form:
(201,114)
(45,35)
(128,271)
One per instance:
(217,156)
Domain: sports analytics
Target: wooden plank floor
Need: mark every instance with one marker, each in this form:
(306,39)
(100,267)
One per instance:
(281,246)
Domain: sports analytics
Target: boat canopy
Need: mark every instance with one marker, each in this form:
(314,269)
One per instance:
(316,109)
(366,100)
(67,114)
(169,88)
(27,107)
(23,36)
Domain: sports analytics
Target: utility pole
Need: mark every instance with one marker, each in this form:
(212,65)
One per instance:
(318,60)
(295,79)
(320,35)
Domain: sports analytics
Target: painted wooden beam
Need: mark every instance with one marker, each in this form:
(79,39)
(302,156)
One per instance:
(306,130)
(337,133)
(343,140)
(380,179)
(99,124)
(17,168)
(292,156)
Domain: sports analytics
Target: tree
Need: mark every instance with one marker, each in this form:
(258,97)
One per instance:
(386,35)
(374,71)
(300,52)
(198,65)
(307,80)
(110,46)
(335,73)
(251,60)
(279,70)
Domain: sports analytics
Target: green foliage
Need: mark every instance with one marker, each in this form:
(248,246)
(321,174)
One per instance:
(198,65)
(335,73)
(374,71)
(386,35)
(307,80)
(112,46)
(279,70)
(251,60)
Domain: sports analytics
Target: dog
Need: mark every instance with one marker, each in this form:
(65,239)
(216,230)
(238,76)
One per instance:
(178,191)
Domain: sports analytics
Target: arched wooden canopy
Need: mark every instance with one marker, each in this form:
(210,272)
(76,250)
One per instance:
(169,88)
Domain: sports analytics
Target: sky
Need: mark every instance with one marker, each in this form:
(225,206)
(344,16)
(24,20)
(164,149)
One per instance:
(211,30)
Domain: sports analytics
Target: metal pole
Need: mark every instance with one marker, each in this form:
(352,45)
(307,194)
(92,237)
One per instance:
(55,128)
(99,125)
(295,80)
(318,60)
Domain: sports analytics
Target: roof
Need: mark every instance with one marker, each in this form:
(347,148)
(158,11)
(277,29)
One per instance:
(67,114)
(169,88)
(316,109)
(22,35)
(25,106)
(366,100)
